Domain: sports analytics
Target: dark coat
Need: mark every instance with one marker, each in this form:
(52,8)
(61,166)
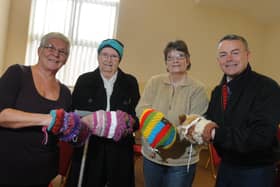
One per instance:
(247,128)
(105,156)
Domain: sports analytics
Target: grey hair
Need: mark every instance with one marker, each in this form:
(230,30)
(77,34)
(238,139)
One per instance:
(55,35)
(235,37)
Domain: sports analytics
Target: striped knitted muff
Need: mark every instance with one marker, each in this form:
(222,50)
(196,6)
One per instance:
(157,130)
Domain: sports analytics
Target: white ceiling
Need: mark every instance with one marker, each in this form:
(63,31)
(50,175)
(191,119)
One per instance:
(264,11)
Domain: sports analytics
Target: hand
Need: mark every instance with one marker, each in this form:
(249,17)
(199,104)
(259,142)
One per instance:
(196,130)
(125,124)
(88,121)
(46,119)
(121,116)
(207,132)
(125,118)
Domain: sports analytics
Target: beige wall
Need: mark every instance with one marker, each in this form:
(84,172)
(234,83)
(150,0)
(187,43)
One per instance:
(4,17)
(17,32)
(146,26)
(271,63)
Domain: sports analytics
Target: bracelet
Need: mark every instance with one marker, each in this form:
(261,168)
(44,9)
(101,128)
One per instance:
(58,121)
(53,114)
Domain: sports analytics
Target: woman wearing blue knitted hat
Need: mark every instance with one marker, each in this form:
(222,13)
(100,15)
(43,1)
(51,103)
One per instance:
(109,96)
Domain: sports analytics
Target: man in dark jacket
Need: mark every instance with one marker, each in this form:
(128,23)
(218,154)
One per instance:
(245,106)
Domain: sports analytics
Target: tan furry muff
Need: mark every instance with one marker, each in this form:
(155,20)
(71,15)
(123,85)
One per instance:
(185,130)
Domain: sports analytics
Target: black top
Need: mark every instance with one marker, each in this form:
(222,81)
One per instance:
(24,160)
(247,128)
(105,156)
(90,94)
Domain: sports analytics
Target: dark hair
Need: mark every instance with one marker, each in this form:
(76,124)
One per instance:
(178,45)
(235,37)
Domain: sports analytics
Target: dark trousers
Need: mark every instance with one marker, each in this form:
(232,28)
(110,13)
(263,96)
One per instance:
(233,176)
(107,164)
(43,185)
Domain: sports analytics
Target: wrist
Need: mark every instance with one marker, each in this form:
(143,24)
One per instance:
(213,132)
(52,120)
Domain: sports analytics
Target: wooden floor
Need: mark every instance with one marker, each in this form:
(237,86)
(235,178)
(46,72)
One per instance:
(203,177)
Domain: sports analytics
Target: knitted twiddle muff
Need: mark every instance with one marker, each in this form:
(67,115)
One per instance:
(67,127)
(156,129)
(196,121)
(112,124)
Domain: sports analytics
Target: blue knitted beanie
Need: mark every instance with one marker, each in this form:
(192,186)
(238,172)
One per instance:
(113,43)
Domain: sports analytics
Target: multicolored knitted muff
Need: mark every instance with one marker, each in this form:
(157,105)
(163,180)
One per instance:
(157,130)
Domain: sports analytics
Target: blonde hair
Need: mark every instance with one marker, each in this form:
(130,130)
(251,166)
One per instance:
(57,35)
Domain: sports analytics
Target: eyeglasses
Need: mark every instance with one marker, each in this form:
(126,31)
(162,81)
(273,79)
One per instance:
(53,49)
(176,57)
(106,56)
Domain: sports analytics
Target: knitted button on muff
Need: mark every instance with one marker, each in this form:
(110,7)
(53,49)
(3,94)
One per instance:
(157,130)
